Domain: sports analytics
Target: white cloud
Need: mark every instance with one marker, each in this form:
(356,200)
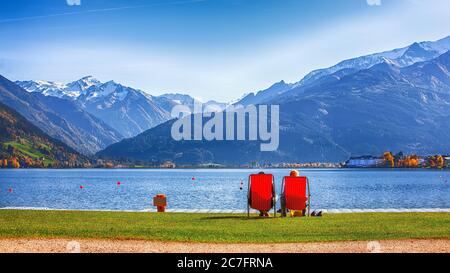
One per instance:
(73,2)
(374,2)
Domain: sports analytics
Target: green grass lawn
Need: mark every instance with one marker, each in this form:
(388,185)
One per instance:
(222,228)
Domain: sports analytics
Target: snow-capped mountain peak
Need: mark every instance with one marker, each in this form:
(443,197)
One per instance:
(129,111)
(406,56)
(85,88)
(109,92)
(82,84)
(393,60)
(47,88)
(71,90)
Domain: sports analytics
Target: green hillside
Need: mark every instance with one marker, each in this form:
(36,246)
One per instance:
(23,145)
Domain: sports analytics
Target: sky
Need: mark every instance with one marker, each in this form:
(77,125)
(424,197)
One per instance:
(210,49)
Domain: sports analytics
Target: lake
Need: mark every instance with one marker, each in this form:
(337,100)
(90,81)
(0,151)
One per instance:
(217,189)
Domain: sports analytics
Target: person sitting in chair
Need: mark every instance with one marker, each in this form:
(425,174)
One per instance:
(293,173)
(263,213)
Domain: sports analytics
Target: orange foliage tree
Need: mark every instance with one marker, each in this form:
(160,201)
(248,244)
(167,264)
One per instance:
(437,161)
(440,162)
(14,163)
(411,161)
(389,158)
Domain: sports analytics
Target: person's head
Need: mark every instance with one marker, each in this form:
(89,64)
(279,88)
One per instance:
(294,173)
(261,173)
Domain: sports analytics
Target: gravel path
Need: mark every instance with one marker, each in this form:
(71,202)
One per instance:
(131,246)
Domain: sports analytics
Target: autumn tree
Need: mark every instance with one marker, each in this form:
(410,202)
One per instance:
(108,165)
(389,159)
(436,161)
(410,161)
(14,163)
(440,162)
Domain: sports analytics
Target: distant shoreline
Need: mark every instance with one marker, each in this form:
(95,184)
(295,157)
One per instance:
(234,168)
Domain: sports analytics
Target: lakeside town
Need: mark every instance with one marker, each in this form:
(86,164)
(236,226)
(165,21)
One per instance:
(387,160)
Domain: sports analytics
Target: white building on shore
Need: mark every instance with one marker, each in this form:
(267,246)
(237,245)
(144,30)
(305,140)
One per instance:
(365,162)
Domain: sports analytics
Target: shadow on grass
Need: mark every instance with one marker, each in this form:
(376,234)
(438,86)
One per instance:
(243,218)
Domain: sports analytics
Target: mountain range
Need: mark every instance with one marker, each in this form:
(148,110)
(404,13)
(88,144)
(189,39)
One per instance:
(88,115)
(394,100)
(397,100)
(402,57)
(129,111)
(59,118)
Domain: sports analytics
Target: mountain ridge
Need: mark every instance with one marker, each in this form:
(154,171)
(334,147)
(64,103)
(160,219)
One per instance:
(416,52)
(368,111)
(24,145)
(60,119)
(130,111)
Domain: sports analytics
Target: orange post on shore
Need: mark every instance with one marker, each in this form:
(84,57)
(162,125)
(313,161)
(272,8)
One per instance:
(160,201)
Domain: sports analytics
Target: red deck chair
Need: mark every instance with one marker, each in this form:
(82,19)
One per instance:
(261,193)
(295,194)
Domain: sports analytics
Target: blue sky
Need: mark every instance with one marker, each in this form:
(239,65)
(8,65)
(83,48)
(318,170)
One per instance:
(211,49)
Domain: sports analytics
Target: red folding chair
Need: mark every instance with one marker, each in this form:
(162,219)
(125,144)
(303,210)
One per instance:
(261,193)
(295,194)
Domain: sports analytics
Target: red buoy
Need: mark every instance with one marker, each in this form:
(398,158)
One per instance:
(119,183)
(193,178)
(81,187)
(10,190)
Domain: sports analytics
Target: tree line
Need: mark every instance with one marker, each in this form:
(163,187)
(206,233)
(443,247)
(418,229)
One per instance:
(413,161)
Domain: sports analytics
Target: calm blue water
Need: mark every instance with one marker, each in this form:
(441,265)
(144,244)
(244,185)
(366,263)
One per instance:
(217,189)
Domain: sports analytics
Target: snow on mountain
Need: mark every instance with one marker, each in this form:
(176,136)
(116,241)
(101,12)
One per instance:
(417,52)
(60,90)
(186,100)
(402,57)
(130,111)
(82,85)
(382,108)
(51,89)
(440,46)
(105,93)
